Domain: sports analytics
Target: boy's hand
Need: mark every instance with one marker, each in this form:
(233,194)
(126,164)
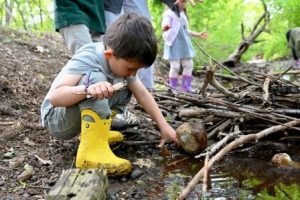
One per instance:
(167,132)
(101,90)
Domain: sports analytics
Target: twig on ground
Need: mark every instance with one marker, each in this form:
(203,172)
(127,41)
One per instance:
(283,73)
(216,146)
(265,94)
(205,175)
(134,143)
(223,66)
(219,128)
(177,161)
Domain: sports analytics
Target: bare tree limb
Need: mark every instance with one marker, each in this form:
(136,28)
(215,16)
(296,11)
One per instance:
(223,66)
(235,57)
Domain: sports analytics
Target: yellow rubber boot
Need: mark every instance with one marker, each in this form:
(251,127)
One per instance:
(94,150)
(114,136)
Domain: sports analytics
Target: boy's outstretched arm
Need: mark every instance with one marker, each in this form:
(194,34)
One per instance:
(150,106)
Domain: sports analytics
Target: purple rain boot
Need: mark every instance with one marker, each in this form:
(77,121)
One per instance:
(173,82)
(186,84)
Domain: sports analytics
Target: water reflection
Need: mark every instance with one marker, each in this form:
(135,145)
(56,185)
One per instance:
(247,175)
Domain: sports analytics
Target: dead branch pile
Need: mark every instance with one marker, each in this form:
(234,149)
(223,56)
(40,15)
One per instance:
(264,98)
(258,105)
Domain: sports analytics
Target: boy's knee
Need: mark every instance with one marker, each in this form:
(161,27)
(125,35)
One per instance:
(63,135)
(101,107)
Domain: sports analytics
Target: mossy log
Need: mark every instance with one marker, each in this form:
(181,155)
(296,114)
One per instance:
(76,184)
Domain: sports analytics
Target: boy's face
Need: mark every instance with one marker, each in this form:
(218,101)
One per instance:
(121,67)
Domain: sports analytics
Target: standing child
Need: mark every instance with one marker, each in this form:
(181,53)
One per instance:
(82,96)
(293,38)
(178,47)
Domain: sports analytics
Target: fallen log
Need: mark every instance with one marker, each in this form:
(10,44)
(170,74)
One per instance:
(79,184)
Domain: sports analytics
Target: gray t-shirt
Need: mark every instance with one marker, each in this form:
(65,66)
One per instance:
(88,57)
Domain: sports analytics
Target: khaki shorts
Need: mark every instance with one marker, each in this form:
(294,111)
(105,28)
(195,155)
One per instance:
(65,122)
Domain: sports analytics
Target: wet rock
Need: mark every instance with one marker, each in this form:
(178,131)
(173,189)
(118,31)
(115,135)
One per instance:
(2,183)
(134,193)
(136,173)
(112,197)
(124,179)
(192,136)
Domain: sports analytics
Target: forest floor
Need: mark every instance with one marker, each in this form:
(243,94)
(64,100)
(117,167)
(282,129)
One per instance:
(28,65)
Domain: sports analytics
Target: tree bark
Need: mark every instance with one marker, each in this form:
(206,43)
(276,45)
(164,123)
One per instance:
(79,184)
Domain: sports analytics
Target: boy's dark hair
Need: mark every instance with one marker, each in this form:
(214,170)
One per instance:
(132,36)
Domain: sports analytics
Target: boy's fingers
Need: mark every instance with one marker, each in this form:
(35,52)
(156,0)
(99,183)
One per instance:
(162,142)
(176,141)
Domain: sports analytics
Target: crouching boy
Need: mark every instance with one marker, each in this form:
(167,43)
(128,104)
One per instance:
(82,97)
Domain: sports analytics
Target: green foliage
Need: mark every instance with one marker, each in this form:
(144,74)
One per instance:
(285,15)
(221,26)
(222,20)
(34,15)
(157,9)
(282,191)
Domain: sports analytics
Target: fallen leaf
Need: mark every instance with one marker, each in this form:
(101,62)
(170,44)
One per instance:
(143,163)
(16,162)
(29,142)
(24,176)
(40,49)
(165,152)
(10,154)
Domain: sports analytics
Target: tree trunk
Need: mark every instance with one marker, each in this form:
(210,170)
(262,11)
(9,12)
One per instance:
(8,12)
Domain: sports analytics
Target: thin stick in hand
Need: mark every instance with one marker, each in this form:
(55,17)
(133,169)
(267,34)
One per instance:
(116,87)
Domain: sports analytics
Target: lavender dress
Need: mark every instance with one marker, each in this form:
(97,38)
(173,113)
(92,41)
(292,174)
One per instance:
(181,47)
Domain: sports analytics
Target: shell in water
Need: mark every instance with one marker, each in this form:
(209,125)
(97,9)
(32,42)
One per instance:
(192,137)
